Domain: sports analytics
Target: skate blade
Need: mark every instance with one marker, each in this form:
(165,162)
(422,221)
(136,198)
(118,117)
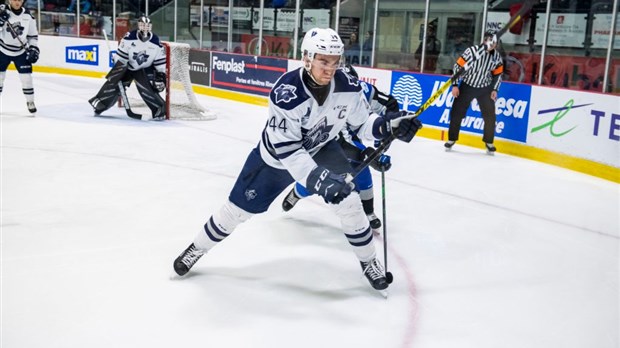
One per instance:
(491,153)
(384,293)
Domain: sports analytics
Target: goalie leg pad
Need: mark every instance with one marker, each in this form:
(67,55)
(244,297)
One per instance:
(117,73)
(105,98)
(150,96)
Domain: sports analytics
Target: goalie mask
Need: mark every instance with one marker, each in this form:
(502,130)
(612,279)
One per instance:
(144,28)
(321,41)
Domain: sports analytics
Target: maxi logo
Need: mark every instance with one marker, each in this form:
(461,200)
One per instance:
(560,113)
(82,54)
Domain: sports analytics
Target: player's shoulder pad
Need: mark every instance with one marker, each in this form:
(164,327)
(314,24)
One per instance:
(131,35)
(27,11)
(344,82)
(289,91)
(155,39)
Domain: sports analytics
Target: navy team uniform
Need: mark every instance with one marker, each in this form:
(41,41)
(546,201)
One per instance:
(299,143)
(18,45)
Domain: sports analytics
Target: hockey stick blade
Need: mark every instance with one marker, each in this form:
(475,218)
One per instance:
(130,113)
(387,141)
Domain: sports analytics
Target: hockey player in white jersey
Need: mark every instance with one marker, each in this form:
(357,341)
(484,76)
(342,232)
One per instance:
(18,44)
(141,58)
(307,109)
(357,152)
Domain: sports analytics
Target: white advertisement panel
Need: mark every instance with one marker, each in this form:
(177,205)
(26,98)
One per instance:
(497,20)
(600,30)
(565,30)
(382,79)
(315,18)
(579,124)
(75,53)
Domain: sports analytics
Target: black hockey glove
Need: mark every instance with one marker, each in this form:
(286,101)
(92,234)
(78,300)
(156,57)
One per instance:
(403,128)
(4,14)
(32,54)
(159,83)
(390,103)
(332,187)
(381,162)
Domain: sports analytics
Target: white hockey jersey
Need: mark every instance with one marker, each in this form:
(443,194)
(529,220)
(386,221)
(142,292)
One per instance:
(25,26)
(138,54)
(297,127)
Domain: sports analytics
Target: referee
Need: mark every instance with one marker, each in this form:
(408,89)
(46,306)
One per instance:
(480,81)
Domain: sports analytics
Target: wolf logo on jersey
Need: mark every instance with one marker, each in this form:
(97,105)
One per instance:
(285,93)
(18,29)
(140,57)
(318,134)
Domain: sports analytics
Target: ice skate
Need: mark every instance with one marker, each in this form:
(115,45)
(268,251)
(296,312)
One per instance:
(187,259)
(31,107)
(375,223)
(490,149)
(374,272)
(448,145)
(290,200)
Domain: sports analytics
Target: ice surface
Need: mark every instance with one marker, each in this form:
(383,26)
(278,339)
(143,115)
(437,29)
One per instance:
(485,251)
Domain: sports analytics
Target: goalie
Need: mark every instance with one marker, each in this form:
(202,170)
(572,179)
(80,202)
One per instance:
(140,58)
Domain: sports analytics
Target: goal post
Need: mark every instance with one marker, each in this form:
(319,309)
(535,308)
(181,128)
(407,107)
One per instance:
(181,102)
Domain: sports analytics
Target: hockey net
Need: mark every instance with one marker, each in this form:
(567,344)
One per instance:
(181,102)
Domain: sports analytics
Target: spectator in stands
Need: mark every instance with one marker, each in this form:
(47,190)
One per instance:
(85,26)
(85,6)
(368,41)
(433,48)
(354,44)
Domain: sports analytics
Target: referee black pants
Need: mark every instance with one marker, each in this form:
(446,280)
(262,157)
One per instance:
(459,108)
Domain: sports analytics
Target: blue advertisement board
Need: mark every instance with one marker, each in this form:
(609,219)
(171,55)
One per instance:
(512,105)
(248,74)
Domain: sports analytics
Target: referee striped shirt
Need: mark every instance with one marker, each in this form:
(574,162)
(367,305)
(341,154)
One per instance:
(484,68)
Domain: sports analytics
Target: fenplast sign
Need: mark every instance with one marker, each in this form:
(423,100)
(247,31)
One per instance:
(511,108)
(249,74)
(85,55)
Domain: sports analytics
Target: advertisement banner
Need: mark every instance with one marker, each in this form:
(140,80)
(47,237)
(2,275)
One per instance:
(273,46)
(565,30)
(248,74)
(581,124)
(511,107)
(76,53)
(199,67)
(601,28)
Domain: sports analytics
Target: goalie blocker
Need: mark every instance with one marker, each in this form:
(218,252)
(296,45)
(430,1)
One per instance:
(148,83)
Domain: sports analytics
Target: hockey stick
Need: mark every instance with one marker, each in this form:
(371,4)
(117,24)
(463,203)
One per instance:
(121,88)
(388,275)
(130,113)
(14,33)
(385,143)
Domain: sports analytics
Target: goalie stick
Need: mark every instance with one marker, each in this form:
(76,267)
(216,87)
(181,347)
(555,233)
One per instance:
(385,143)
(130,113)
